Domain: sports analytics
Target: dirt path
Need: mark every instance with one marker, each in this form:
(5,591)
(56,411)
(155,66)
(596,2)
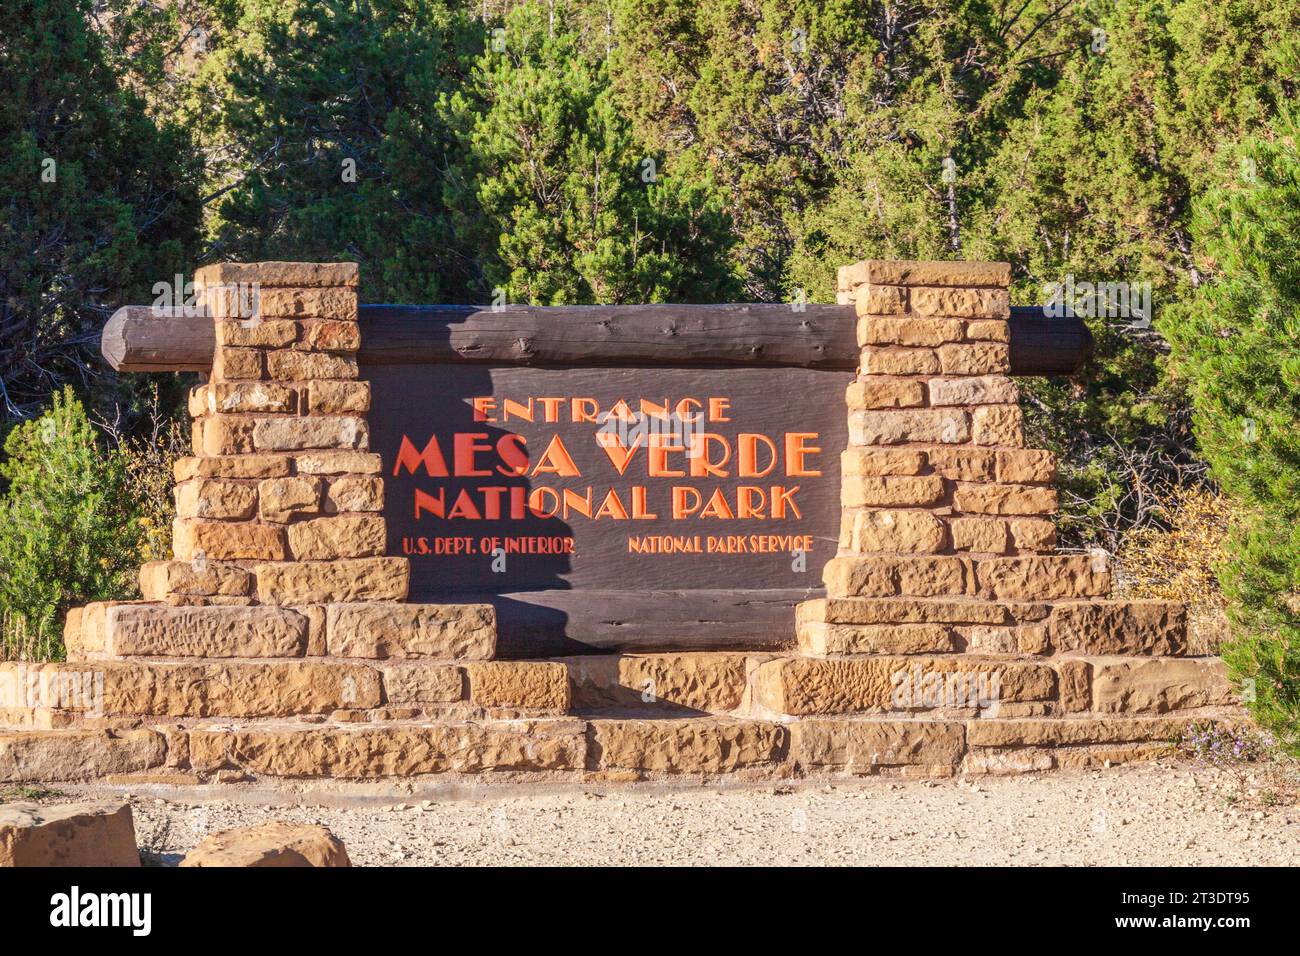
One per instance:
(1148,814)
(1144,815)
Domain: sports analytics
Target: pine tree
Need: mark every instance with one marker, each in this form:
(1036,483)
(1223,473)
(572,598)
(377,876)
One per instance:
(100,198)
(563,203)
(1237,342)
(328,116)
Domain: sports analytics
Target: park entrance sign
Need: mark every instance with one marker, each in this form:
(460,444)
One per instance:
(681,495)
(607,543)
(614,477)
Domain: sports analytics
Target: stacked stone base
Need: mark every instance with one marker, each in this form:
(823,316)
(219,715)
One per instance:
(276,646)
(683,716)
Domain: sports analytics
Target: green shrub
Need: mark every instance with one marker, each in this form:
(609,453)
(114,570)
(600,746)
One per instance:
(68,527)
(1238,344)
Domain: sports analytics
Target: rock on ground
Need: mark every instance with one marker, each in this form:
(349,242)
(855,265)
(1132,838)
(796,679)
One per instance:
(67,834)
(271,844)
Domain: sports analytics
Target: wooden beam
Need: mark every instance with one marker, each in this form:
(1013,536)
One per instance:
(143,339)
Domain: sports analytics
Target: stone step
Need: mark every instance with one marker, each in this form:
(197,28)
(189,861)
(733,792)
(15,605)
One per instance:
(937,625)
(566,748)
(968,685)
(378,629)
(671,684)
(1018,578)
(58,695)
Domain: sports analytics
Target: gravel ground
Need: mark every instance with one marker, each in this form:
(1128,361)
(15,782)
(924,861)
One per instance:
(1149,814)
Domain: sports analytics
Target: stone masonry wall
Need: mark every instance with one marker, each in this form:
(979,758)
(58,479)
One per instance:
(281,502)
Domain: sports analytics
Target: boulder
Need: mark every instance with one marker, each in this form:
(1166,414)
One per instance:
(67,834)
(270,844)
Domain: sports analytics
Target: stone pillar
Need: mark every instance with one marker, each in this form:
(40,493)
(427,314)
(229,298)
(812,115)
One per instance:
(952,635)
(281,502)
(940,497)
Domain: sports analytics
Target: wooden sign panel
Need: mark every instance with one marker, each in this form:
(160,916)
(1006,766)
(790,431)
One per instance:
(635,508)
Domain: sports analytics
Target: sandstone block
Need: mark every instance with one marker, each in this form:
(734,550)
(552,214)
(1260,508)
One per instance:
(947,426)
(709,682)
(988,330)
(984,358)
(67,834)
(381,630)
(226,540)
(1159,685)
(525,685)
(847,576)
(989,639)
(415,682)
(699,746)
(978,534)
(224,435)
(354,494)
(1032,639)
(274,844)
(1041,577)
(50,756)
(974,390)
(338,397)
(961,464)
(998,425)
(1071,731)
(280,499)
(338,536)
(363,751)
(277,274)
(899,361)
(295,365)
(235,364)
(862,746)
(1033,534)
(256,333)
(215,498)
(324,431)
(881,300)
(85,632)
(1119,627)
(861,490)
(902,611)
(156,630)
(903,532)
(876,330)
(884,392)
(231,466)
(238,688)
(328,335)
(230,397)
(699,681)
(963,303)
(819,639)
(799,686)
(1074,678)
(337,463)
(928,273)
(321,582)
(325,303)
(881,461)
(999,499)
(1025,466)
(161,578)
